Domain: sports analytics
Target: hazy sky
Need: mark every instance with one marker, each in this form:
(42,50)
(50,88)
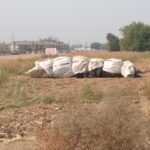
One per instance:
(75,21)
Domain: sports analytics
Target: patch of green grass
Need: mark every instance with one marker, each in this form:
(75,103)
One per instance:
(15,83)
(11,106)
(14,67)
(56,84)
(44,99)
(17,104)
(48,100)
(25,102)
(90,94)
(3,76)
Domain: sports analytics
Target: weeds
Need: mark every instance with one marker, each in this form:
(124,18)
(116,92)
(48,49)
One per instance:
(17,82)
(17,104)
(3,76)
(14,67)
(90,94)
(115,126)
(44,99)
(22,102)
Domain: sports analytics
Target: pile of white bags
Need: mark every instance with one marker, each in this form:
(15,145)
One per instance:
(65,67)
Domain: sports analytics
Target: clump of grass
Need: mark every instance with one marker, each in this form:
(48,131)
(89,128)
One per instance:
(116,126)
(48,100)
(17,104)
(3,76)
(44,99)
(90,94)
(14,67)
(56,84)
(24,101)
(20,95)
(11,106)
(15,82)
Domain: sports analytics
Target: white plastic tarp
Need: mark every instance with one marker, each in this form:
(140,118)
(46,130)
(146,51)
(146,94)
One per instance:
(95,63)
(62,67)
(47,65)
(128,69)
(113,66)
(80,64)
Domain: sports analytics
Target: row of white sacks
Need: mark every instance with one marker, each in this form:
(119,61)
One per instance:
(65,67)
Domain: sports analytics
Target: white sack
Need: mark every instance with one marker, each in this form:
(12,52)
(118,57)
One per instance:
(113,66)
(128,69)
(95,63)
(62,67)
(80,64)
(47,65)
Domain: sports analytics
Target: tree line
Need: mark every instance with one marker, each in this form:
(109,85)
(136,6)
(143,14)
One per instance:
(135,37)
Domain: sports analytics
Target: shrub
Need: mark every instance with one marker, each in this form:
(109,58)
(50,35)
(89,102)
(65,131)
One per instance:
(115,126)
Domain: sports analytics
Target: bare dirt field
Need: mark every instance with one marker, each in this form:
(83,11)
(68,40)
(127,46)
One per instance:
(29,106)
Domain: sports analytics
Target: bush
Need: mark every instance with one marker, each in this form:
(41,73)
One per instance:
(115,126)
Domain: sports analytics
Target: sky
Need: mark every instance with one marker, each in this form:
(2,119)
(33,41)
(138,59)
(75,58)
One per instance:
(71,21)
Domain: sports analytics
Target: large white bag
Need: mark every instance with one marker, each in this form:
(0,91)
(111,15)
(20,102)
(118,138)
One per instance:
(113,66)
(47,65)
(128,69)
(62,67)
(95,63)
(80,64)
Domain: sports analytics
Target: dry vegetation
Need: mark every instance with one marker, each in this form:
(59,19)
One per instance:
(97,113)
(110,126)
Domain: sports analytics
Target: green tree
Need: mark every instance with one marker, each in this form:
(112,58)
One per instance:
(136,37)
(113,42)
(96,45)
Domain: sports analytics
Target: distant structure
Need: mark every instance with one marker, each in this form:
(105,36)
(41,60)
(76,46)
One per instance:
(36,46)
(79,47)
(4,48)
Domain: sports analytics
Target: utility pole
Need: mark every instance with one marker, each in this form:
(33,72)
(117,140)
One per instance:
(13,41)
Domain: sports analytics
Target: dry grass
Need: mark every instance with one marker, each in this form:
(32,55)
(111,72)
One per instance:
(132,56)
(112,126)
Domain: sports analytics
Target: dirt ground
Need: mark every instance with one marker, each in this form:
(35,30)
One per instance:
(28,120)
(21,145)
